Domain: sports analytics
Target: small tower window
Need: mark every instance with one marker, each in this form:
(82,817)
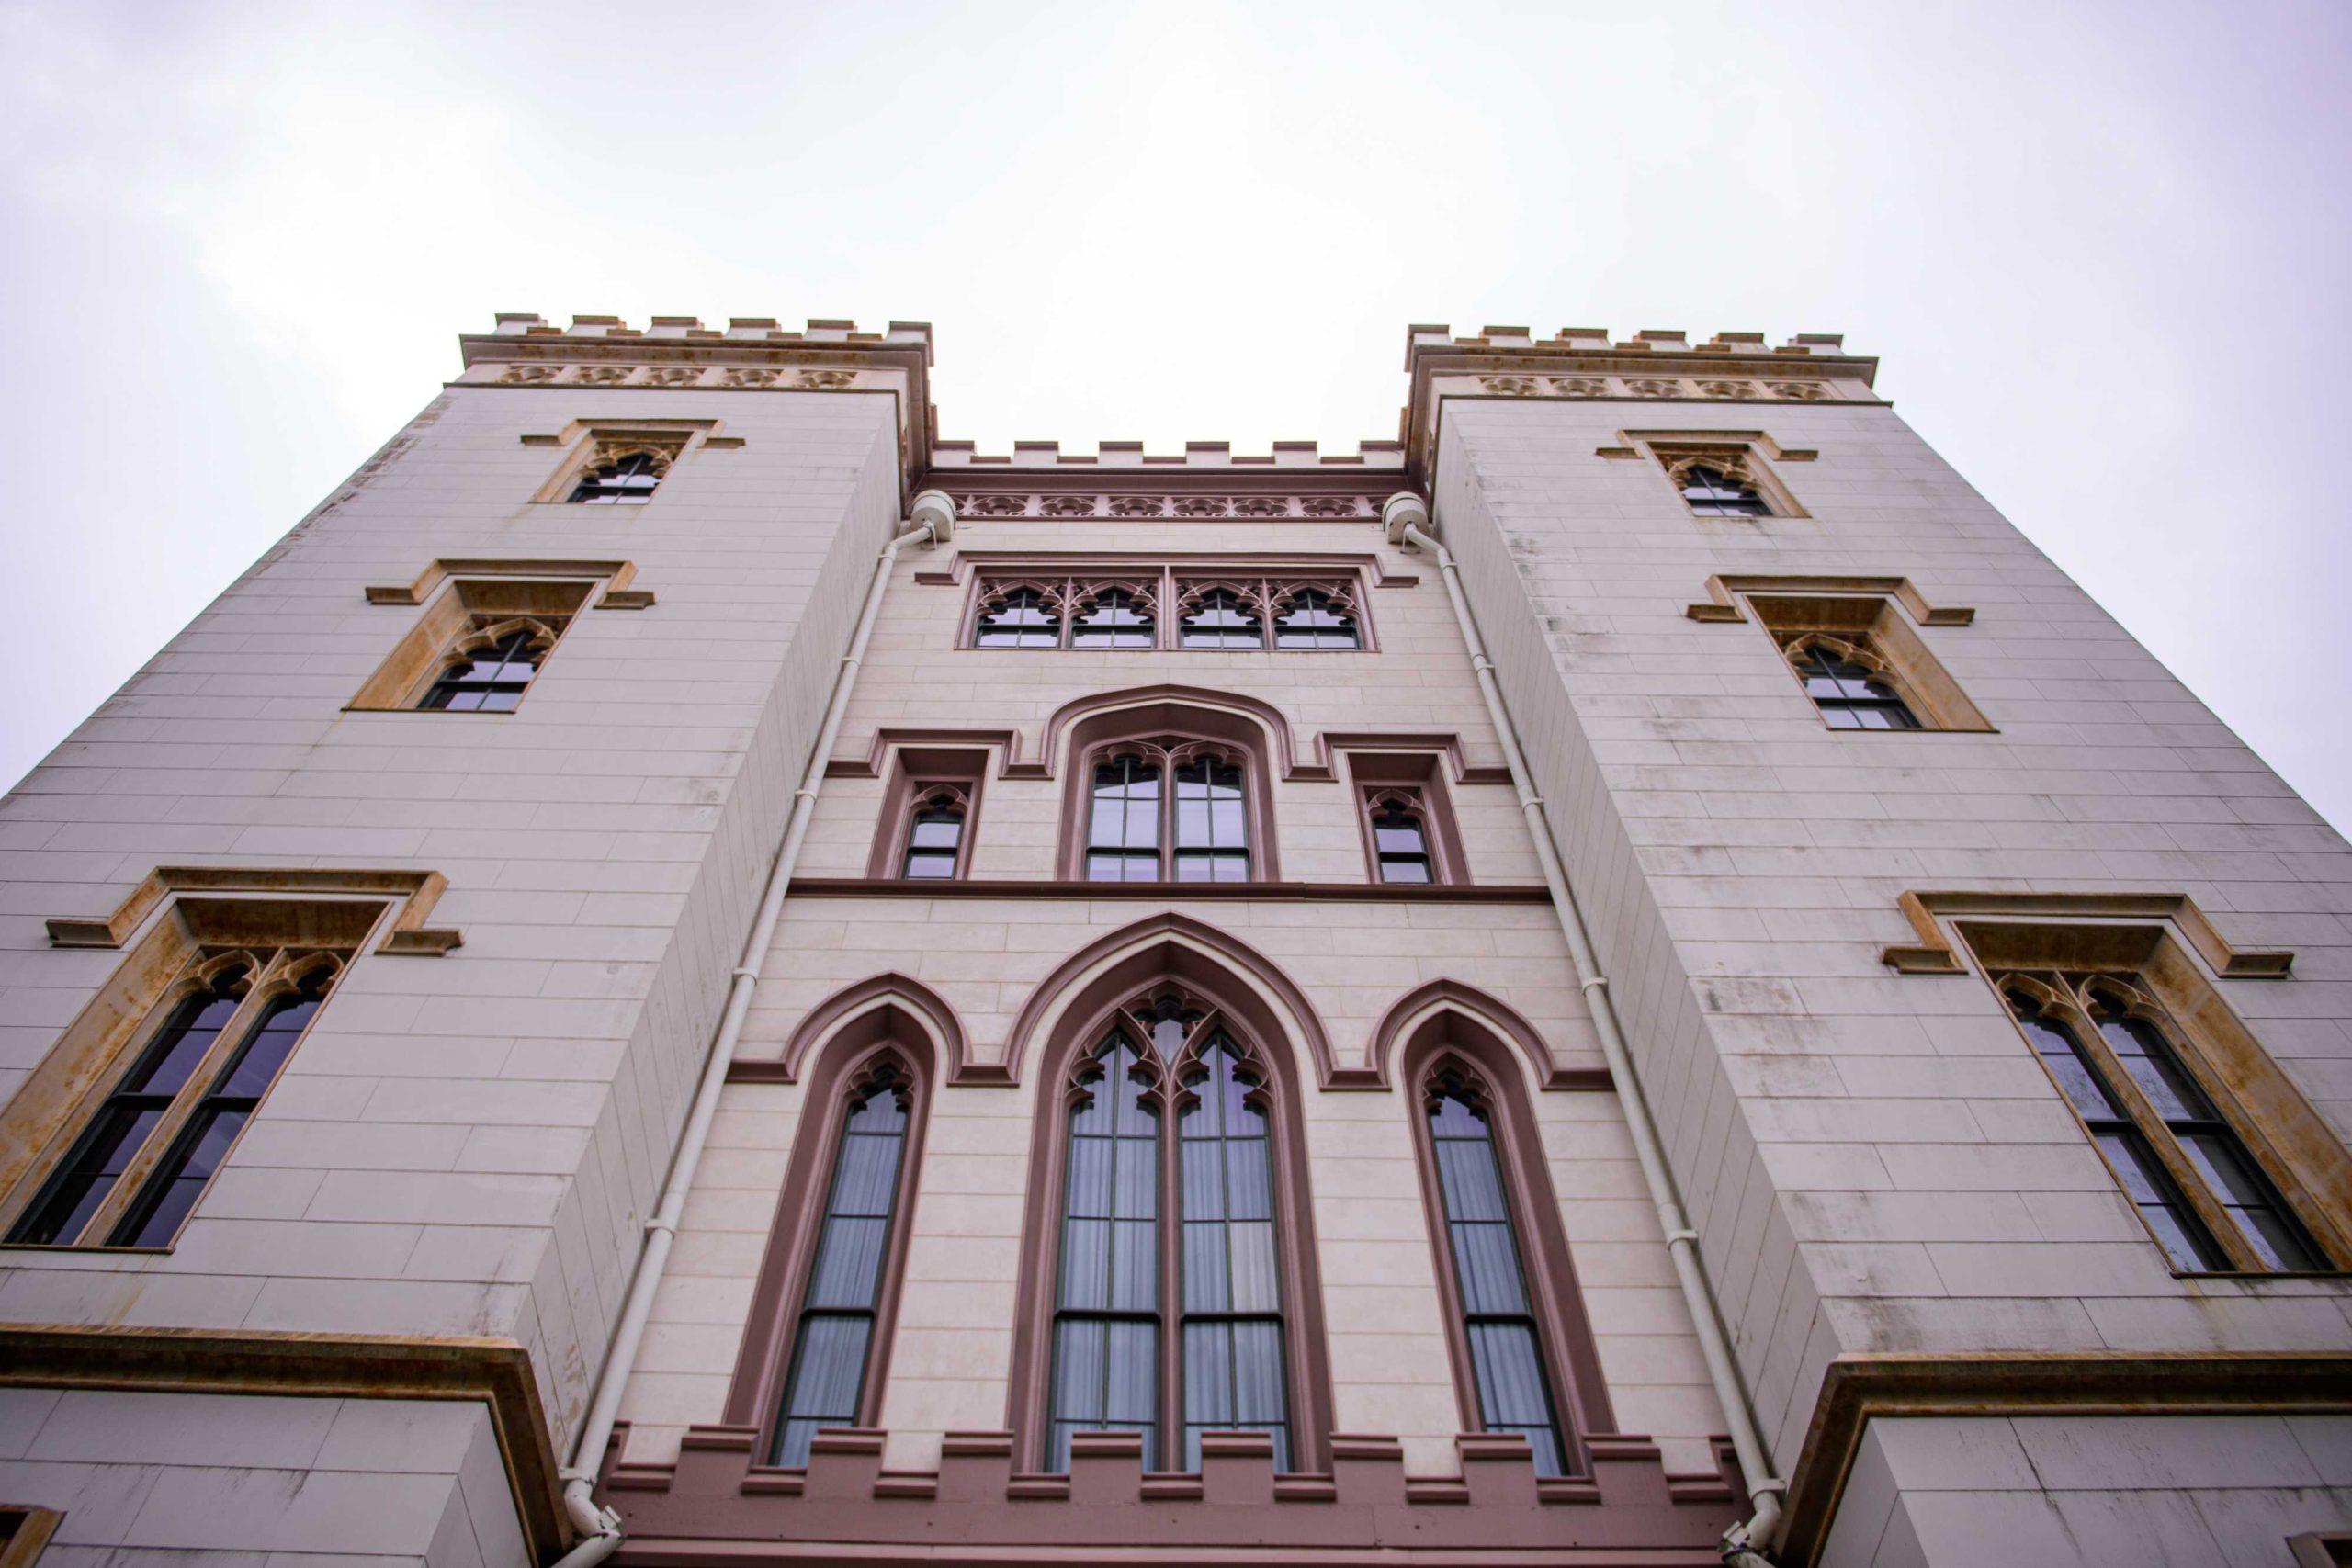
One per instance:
(1221,618)
(1116,618)
(934,837)
(1849,694)
(628,479)
(1020,617)
(1719,490)
(1401,840)
(1314,619)
(491,677)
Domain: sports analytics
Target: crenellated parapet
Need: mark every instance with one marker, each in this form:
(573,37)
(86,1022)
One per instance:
(752,354)
(714,1496)
(1589,363)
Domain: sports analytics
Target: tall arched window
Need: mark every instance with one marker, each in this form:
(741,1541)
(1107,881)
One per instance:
(816,1341)
(935,835)
(1524,1358)
(1169,1311)
(1168,810)
(832,1349)
(1496,1313)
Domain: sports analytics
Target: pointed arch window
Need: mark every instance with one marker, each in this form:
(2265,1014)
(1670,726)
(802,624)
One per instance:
(1018,617)
(1499,1326)
(1401,847)
(628,478)
(833,1351)
(162,1130)
(1851,687)
(1313,619)
(1169,1311)
(490,672)
(2107,1041)
(1169,810)
(1221,618)
(1113,618)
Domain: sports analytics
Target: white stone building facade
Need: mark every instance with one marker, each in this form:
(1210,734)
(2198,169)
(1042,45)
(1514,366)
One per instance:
(1769,1013)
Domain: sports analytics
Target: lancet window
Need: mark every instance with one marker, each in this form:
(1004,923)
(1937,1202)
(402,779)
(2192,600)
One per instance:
(214,1045)
(1228,615)
(834,1349)
(1169,1315)
(2117,1054)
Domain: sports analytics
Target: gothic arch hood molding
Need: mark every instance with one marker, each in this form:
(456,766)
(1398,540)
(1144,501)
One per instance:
(1089,983)
(886,1005)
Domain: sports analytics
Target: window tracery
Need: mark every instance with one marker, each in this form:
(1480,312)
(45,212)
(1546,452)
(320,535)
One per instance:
(490,668)
(622,470)
(1167,809)
(1169,1314)
(1213,614)
(1852,686)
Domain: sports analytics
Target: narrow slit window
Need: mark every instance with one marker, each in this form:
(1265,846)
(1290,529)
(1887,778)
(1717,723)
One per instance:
(934,837)
(1313,619)
(1114,619)
(833,1350)
(1499,1322)
(1221,619)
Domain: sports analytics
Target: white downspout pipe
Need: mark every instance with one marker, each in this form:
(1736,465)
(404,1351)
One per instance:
(1407,517)
(934,522)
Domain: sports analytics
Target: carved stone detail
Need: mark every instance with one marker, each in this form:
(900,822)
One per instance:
(1066,504)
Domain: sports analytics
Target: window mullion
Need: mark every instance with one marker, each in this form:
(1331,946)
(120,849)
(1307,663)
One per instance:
(1168,847)
(132,1186)
(1169,1219)
(2187,1180)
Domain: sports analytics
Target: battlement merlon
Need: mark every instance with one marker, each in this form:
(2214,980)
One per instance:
(1588,363)
(755,353)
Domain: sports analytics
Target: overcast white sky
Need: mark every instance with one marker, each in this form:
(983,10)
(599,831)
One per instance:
(2102,251)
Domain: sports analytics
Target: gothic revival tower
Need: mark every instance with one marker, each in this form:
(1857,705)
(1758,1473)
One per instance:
(686,973)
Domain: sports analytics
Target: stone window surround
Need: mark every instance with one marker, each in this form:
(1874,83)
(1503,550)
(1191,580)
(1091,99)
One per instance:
(857,1044)
(1451,1042)
(587,442)
(1747,455)
(1222,731)
(1081,1027)
(468,601)
(187,935)
(1421,777)
(1869,620)
(2179,957)
(916,773)
(1165,589)
(23,1531)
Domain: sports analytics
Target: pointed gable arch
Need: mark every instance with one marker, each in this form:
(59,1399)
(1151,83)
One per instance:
(884,1006)
(1168,946)
(1426,1009)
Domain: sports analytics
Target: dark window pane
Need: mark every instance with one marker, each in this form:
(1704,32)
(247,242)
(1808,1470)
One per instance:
(1114,620)
(628,481)
(1713,493)
(1019,619)
(1850,696)
(1313,620)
